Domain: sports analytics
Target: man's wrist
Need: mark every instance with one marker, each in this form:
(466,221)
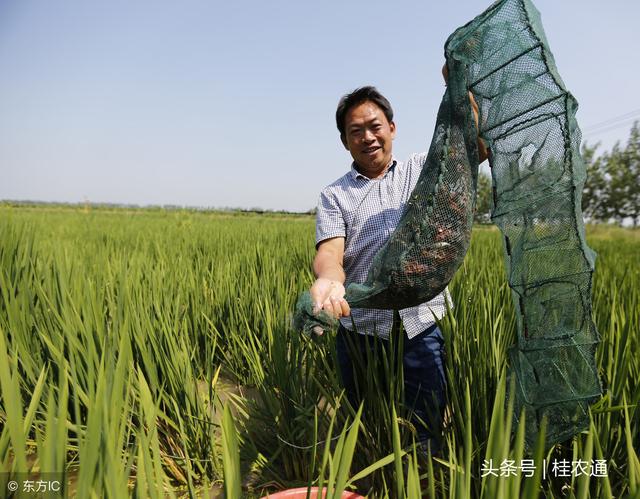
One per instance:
(331,280)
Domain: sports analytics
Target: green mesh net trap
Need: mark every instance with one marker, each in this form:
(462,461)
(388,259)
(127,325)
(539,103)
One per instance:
(527,119)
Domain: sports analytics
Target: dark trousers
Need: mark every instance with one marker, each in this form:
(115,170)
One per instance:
(423,366)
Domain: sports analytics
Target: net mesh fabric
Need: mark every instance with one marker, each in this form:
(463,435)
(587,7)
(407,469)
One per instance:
(527,119)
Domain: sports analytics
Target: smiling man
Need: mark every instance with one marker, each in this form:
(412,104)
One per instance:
(356,215)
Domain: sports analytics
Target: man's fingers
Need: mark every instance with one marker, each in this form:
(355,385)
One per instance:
(328,307)
(318,330)
(474,107)
(344,306)
(483,152)
(337,306)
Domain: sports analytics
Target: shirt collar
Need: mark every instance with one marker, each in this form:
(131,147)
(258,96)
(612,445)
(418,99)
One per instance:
(355,173)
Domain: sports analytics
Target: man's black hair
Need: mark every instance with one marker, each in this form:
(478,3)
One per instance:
(358,96)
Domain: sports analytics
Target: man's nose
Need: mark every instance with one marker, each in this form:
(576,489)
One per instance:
(368,136)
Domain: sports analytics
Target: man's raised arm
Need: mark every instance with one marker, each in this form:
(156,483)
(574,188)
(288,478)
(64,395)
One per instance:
(327,293)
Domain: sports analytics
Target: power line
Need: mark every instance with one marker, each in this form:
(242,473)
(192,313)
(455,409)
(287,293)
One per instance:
(606,123)
(625,123)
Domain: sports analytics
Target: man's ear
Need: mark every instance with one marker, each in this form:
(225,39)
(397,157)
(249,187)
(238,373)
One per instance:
(343,138)
(392,126)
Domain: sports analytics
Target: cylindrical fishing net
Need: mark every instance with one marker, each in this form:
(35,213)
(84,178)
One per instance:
(527,119)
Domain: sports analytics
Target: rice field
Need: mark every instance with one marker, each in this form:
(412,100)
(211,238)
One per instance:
(149,353)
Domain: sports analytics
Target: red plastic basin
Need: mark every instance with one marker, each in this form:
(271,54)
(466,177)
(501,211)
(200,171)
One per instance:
(301,493)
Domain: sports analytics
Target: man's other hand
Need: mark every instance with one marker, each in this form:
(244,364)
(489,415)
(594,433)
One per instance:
(483,152)
(328,295)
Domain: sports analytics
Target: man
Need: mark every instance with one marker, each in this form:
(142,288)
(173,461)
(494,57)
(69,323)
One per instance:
(356,215)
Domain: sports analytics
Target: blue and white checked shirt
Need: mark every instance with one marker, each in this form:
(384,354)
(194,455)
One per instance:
(365,212)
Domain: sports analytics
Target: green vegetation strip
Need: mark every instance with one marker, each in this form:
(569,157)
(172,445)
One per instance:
(124,334)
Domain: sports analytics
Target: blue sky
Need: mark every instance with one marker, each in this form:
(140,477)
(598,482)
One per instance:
(231,104)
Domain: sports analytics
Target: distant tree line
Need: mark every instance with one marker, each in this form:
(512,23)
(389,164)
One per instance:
(484,200)
(611,191)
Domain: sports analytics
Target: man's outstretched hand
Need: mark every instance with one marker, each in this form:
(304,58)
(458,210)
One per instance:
(328,295)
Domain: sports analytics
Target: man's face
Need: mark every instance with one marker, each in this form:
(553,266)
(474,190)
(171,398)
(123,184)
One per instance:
(368,137)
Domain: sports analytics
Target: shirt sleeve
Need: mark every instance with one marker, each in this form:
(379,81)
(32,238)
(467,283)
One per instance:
(415,163)
(418,160)
(329,220)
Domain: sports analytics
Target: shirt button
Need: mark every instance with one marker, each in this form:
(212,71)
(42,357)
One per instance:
(384,201)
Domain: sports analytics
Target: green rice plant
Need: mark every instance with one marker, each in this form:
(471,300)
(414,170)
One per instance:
(230,456)
(16,426)
(150,477)
(52,437)
(298,398)
(339,461)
